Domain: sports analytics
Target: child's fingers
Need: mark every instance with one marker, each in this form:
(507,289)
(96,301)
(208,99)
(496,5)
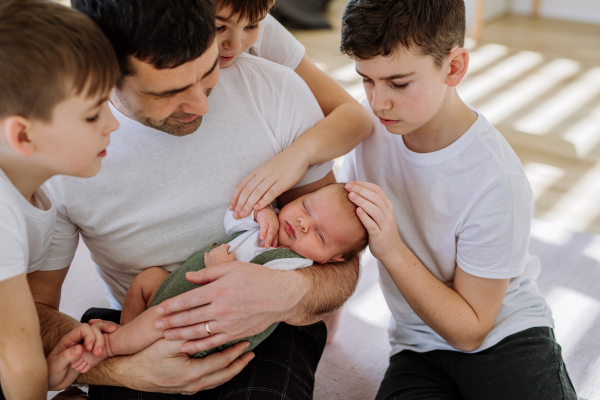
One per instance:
(99,342)
(238,189)
(270,236)
(263,230)
(370,225)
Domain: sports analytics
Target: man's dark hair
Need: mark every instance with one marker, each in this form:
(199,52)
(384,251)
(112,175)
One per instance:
(48,53)
(164,33)
(253,10)
(372,28)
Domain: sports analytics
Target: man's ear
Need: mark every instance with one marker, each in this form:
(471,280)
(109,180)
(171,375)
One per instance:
(458,63)
(17,132)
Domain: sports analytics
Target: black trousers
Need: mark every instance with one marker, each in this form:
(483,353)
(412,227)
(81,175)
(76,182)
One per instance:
(283,368)
(527,365)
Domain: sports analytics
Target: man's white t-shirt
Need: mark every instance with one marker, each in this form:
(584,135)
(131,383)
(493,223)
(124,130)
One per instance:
(249,245)
(159,198)
(277,44)
(25,230)
(469,204)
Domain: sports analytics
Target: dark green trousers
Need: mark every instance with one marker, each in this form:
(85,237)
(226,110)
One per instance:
(525,366)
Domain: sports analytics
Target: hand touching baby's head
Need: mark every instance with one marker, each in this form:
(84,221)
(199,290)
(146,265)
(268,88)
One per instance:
(323,226)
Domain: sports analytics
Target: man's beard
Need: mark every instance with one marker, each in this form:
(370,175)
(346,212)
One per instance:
(175,129)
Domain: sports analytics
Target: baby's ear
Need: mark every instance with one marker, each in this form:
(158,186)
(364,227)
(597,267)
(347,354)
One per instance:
(336,259)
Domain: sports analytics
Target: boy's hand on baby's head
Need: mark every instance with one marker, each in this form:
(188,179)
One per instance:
(269,226)
(218,255)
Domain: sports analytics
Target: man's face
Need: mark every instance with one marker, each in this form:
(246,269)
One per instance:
(405,90)
(172,100)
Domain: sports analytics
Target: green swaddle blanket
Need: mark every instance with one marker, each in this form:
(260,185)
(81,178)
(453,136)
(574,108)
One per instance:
(176,284)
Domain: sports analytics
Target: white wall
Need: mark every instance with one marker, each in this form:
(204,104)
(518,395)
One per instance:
(493,9)
(574,10)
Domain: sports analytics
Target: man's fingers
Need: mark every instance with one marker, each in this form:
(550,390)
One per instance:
(218,361)
(224,375)
(205,276)
(207,343)
(238,189)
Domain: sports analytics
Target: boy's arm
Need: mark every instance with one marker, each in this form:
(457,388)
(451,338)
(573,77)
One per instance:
(463,315)
(23,371)
(345,125)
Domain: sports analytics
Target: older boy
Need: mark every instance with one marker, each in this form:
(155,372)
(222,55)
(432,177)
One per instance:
(451,236)
(57,70)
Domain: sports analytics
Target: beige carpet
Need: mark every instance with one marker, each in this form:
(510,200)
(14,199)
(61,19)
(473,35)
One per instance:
(352,366)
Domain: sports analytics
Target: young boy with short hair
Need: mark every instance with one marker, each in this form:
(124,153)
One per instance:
(57,69)
(448,209)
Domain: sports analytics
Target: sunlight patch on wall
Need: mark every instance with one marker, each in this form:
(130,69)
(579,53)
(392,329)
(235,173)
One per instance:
(499,75)
(347,73)
(574,314)
(562,105)
(485,55)
(550,233)
(542,177)
(523,93)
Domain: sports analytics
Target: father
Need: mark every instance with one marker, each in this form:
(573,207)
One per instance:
(161,195)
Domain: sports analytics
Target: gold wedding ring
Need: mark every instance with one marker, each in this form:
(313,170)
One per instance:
(207,328)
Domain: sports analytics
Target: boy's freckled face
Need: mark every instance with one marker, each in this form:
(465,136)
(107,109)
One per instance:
(75,141)
(317,226)
(405,90)
(233,36)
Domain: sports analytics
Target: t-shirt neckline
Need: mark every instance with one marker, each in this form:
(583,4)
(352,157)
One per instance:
(447,152)
(40,198)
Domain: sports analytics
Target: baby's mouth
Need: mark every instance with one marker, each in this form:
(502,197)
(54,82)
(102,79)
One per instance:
(289,229)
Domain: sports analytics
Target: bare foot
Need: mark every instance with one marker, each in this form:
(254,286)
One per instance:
(89,360)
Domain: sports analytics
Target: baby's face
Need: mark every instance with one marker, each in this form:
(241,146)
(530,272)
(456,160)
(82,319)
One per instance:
(317,226)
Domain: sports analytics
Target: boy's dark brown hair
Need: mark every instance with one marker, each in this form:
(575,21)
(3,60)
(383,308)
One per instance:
(372,28)
(49,52)
(254,10)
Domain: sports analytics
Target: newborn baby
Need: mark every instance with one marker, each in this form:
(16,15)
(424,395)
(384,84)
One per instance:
(321,226)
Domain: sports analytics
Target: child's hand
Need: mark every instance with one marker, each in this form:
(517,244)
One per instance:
(269,226)
(70,350)
(218,256)
(376,213)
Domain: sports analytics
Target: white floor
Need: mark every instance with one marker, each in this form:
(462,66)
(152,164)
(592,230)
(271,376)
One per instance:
(352,366)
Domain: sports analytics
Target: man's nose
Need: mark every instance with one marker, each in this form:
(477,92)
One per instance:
(196,101)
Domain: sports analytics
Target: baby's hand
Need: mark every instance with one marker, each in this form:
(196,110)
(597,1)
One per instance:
(269,226)
(218,256)
(70,350)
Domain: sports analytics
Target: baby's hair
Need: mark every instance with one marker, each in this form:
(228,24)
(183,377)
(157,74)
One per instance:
(253,10)
(47,53)
(361,242)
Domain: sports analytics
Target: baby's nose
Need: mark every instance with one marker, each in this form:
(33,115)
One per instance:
(303,224)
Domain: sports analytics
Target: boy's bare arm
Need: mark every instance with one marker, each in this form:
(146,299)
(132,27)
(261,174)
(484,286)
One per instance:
(23,371)
(464,314)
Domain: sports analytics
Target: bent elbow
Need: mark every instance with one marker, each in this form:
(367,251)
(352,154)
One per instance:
(468,344)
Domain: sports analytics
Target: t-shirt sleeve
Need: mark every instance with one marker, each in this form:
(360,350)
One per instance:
(494,239)
(233,225)
(13,242)
(64,243)
(300,111)
(277,44)
(347,172)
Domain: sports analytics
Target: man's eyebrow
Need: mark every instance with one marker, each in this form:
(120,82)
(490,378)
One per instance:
(179,90)
(213,67)
(389,78)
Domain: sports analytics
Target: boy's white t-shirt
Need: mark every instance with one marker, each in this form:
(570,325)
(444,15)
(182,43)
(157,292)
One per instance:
(469,204)
(277,44)
(159,198)
(248,245)
(25,231)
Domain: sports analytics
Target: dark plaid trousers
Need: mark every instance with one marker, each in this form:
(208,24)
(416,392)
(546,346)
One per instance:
(283,368)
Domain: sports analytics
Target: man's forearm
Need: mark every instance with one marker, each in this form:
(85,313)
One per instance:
(53,326)
(328,287)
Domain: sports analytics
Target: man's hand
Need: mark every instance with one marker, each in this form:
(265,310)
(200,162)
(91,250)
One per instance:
(163,368)
(376,213)
(238,300)
(268,181)
(269,226)
(219,255)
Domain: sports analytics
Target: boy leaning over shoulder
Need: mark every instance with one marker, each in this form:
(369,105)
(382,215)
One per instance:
(57,70)
(448,212)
